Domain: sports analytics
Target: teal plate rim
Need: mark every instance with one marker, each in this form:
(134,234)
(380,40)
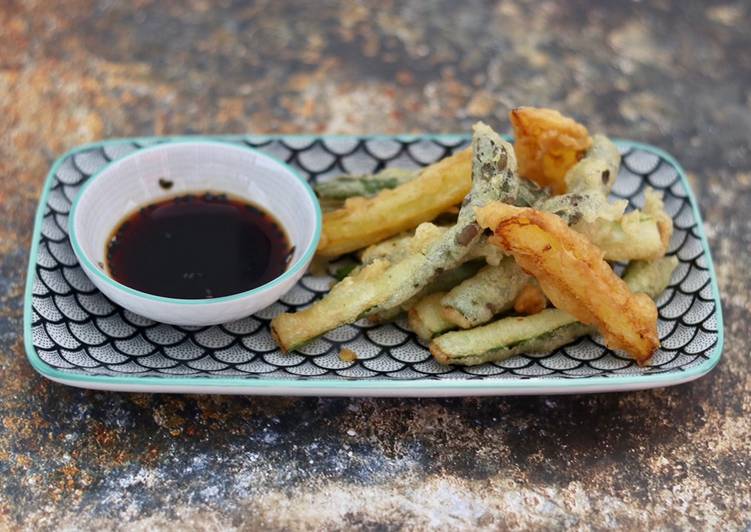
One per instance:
(323,386)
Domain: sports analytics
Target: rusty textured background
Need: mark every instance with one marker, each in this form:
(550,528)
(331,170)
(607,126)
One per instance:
(676,74)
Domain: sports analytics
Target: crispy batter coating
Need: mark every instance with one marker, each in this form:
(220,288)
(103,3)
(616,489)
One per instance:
(530,300)
(574,276)
(365,221)
(547,145)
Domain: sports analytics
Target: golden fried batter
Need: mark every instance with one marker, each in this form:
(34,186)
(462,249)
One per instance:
(547,145)
(574,276)
(530,300)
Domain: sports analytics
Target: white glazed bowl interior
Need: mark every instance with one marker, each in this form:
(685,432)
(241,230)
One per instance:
(193,166)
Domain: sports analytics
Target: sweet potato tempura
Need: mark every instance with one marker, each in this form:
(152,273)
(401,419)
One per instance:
(574,276)
(547,145)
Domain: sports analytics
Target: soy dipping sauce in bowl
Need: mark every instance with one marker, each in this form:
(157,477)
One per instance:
(194,232)
(198,246)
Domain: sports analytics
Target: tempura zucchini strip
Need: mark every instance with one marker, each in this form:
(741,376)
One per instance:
(493,177)
(575,278)
(542,332)
(346,302)
(505,338)
(396,248)
(365,221)
(635,237)
(443,282)
(426,317)
(489,292)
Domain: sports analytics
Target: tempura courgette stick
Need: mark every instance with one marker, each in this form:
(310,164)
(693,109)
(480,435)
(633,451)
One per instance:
(426,318)
(543,332)
(365,221)
(489,292)
(443,282)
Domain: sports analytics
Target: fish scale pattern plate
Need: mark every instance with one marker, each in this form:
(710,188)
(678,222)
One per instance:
(77,336)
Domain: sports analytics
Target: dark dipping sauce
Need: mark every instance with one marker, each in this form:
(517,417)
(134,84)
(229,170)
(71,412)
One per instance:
(198,246)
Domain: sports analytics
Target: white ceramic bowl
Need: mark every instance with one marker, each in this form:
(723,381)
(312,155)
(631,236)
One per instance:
(193,166)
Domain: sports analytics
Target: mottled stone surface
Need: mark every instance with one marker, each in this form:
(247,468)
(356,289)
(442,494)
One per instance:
(676,74)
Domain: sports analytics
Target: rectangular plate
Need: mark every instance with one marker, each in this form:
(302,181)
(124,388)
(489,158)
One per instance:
(74,335)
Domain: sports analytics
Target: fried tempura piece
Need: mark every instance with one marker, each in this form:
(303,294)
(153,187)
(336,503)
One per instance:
(350,186)
(375,291)
(542,332)
(547,145)
(530,300)
(398,247)
(426,317)
(654,207)
(574,276)
(365,221)
(490,291)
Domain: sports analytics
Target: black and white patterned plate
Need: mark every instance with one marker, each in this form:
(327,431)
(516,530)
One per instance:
(77,336)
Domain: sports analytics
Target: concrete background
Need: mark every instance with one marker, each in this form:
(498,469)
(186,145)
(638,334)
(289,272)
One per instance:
(672,73)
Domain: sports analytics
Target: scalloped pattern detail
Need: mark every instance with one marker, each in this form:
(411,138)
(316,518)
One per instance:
(77,330)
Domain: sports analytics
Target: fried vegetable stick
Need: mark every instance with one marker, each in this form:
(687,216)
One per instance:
(493,177)
(597,171)
(398,247)
(542,332)
(429,317)
(444,281)
(588,184)
(426,317)
(491,291)
(507,337)
(365,221)
(637,235)
(575,278)
(650,277)
(547,145)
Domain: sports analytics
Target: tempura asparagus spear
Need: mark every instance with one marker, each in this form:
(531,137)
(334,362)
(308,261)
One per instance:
(348,186)
(542,332)
(493,176)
